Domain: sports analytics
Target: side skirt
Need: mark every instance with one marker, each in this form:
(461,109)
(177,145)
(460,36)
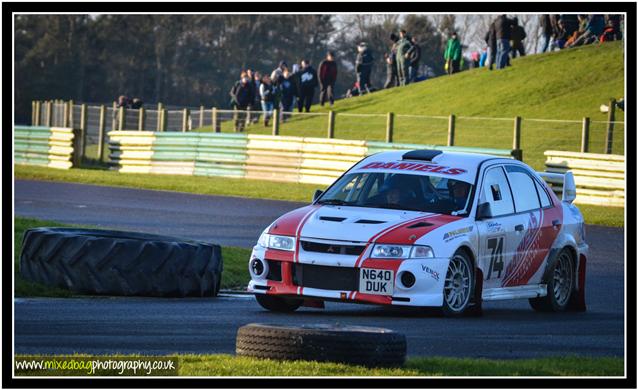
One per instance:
(516,292)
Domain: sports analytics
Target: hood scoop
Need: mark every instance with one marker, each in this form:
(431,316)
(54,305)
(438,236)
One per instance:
(369,221)
(331,219)
(420,224)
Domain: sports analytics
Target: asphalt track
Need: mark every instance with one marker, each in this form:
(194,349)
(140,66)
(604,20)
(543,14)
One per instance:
(508,329)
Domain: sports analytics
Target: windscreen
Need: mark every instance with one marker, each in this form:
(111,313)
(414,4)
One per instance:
(400,191)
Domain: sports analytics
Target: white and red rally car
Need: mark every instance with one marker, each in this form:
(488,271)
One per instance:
(427,228)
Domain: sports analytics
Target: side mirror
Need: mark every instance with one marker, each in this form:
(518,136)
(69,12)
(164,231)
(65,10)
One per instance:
(484,211)
(316,196)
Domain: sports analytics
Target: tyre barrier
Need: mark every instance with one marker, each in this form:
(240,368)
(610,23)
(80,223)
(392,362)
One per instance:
(108,262)
(366,346)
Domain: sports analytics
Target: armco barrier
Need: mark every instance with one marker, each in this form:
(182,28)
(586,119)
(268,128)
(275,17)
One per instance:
(46,146)
(600,178)
(265,157)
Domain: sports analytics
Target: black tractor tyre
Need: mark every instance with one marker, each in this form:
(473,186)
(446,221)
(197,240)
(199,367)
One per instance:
(366,346)
(106,262)
(278,304)
(550,302)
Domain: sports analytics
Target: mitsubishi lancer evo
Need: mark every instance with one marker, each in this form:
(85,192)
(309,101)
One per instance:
(428,228)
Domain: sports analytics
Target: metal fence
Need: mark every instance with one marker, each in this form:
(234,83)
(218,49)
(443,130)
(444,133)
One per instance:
(534,135)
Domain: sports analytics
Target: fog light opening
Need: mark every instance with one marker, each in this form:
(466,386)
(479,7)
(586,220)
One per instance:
(407,279)
(257,267)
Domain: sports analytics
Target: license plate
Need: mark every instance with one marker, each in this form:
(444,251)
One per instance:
(376,281)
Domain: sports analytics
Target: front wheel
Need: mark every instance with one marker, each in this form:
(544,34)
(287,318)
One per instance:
(459,284)
(560,285)
(285,305)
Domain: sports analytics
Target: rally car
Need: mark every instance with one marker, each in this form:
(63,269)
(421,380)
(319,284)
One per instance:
(427,228)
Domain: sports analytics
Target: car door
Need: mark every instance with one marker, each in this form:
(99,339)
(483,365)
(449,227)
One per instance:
(541,225)
(497,232)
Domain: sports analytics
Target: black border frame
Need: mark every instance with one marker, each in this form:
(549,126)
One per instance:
(507,7)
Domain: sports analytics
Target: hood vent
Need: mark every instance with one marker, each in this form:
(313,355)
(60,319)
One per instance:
(420,224)
(332,219)
(369,221)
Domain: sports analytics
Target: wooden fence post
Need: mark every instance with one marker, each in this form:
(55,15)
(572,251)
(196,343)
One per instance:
(201,116)
(70,123)
(33,105)
(114,121)
(215,121)
(100,133)
(331,124)
(609,139)
(584,141)
(159,115)
(141,120)
(450,130)
(83,121)
(164,117)
(38,109)
(121,123)
(185,114)
(389,128)
(275,122)
(49,113)
(76,157)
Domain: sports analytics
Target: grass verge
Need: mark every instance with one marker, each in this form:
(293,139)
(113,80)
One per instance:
(235,275)
(594,215)
(228,365)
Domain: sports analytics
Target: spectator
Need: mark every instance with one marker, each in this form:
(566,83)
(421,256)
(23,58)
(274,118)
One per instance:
(256,104)
(390,70)
(490,40)
(123,101)
(288,93)
(327,79)
(414,55)
(591,27)
(241,97)
(560,36)
(403,46)
(483,58)
(518,34)
(503,33)
(475,58)
(614,21)
(267,92)
(453,54)
(307,84)
(570,23)
(547,31)
(363,66)
(137,103)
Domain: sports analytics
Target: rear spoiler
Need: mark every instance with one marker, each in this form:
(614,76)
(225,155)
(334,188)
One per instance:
(565,181)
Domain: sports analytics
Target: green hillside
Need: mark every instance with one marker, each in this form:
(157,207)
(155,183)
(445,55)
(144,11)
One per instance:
(566,85)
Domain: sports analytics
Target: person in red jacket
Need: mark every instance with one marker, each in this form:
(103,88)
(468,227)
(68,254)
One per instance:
(327,79)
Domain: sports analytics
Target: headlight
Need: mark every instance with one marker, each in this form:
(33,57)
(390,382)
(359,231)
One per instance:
(401,251)
(284,243)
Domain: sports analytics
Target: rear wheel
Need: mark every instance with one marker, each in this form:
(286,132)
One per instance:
(560,285)
(459,284)
(279,304)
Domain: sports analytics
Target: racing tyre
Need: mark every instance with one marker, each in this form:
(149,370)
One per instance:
(110,262)
(324,343)
(560,284)
(279,304)
(458,286)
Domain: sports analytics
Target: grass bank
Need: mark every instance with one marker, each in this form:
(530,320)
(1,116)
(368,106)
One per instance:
(235,275)
(565,85)
(228,365)
(595,215)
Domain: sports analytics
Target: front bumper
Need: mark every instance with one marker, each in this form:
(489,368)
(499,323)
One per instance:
(429,275)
